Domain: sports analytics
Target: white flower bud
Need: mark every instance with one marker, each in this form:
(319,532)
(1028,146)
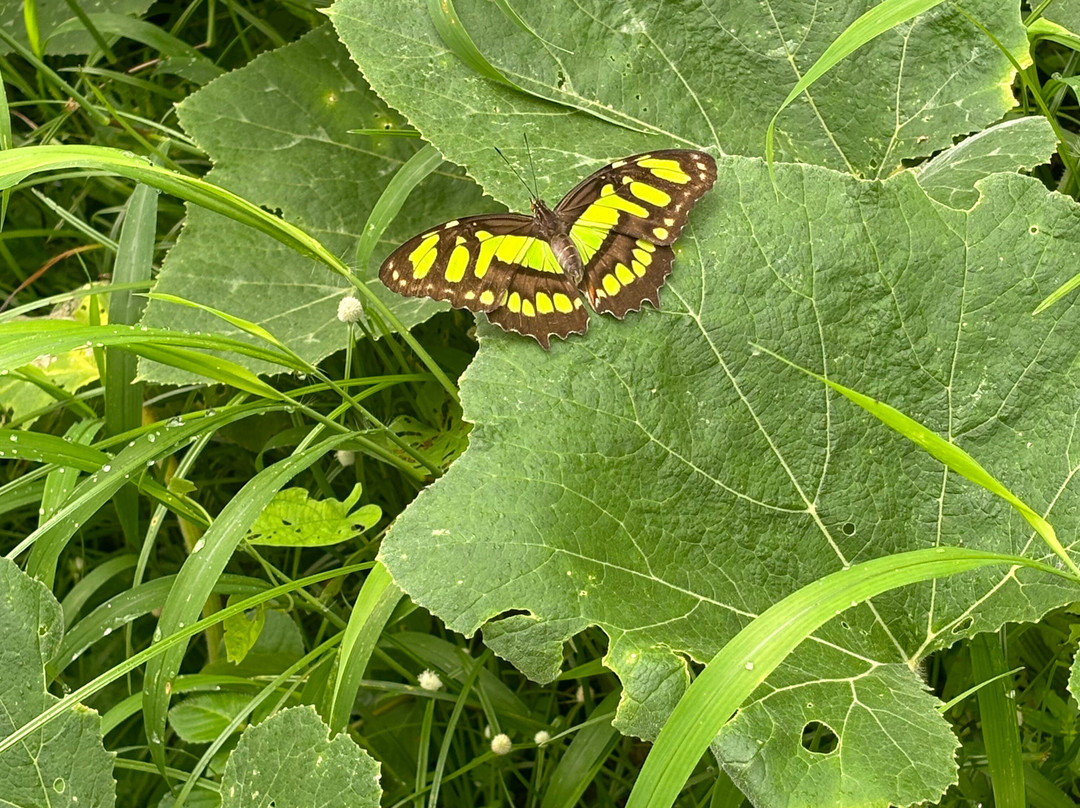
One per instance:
(542,737)
(349,309)
(501,745)
(429,680)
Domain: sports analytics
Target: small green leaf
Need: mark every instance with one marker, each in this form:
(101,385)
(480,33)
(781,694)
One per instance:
(201,718)
(242,631)
(294,519)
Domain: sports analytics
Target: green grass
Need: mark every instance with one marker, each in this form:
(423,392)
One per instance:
(111,485)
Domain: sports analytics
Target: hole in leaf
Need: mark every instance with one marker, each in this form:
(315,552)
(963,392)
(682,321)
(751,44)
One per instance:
(1034,230)
(819,739)
(963,625)
(849,528)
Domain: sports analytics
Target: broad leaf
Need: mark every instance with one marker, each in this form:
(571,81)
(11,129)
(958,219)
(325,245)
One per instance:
(1021,143)
(65,763)
(278,131)
(706,74)
(289,759)
(294,519)
(665,480)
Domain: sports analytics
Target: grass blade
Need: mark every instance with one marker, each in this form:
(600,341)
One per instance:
(747,660)
(948,453)
(881,18)
(1000,732)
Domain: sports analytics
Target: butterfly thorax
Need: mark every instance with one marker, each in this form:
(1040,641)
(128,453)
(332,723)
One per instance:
(556,232)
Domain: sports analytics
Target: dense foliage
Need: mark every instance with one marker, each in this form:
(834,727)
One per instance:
(276,535)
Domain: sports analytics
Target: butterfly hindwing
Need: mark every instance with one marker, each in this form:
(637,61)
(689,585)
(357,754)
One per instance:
(495,264)
(542,304)
(624,273)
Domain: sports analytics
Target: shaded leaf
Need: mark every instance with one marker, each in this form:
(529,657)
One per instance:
(202,717)
(289,759)
(278,131)
(1018,144)
(705,74)
(65,763)
(241,631)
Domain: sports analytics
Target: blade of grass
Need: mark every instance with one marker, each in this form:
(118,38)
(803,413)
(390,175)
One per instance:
(881,18)
(123,395)
(23,341)
(948,453)
(376,602)
(747,660)
(393,198)
(85,24)
(1000,732)
(514,17)
(202,569)
(585,757)
(17,164)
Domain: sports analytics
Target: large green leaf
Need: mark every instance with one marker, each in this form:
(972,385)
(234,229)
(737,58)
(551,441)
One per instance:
(686,72)
(64,764)
(278,130)
(289,759)
(666,480)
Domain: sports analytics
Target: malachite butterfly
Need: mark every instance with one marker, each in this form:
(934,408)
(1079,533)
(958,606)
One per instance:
(609,238)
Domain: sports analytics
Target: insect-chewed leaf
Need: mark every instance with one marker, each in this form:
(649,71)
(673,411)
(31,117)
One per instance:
(294,519)
(609,237)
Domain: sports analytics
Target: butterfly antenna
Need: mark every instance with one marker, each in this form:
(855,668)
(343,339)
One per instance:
(516,174)
(532,167)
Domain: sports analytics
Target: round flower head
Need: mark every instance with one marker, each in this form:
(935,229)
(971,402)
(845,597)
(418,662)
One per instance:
(429,680)
(542,737)
(349,309)
(501,745)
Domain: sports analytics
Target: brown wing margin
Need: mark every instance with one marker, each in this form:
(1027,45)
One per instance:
(625,272)
(541,305)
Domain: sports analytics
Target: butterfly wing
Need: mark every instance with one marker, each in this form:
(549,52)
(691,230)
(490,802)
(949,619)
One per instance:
(624,219)
(496,264)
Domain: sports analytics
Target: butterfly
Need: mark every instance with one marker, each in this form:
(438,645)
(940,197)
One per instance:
(609,238)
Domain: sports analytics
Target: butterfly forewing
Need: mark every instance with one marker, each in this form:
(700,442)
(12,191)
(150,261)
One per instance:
(467,262)
(620,220)
(625,216)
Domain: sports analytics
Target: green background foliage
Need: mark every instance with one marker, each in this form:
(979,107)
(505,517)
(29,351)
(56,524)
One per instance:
(635,497)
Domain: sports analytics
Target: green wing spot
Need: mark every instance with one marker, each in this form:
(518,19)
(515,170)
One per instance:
(647,193)
(459,261)
(424,256)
